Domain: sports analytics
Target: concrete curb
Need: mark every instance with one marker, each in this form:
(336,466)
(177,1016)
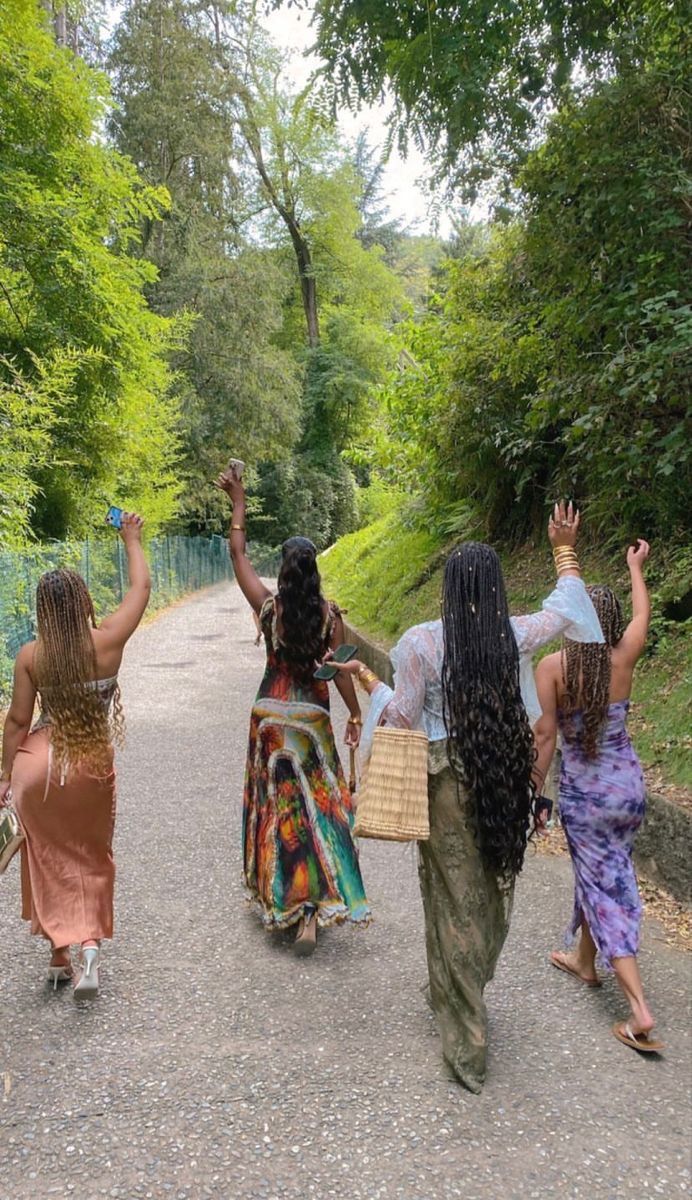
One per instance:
(663,850)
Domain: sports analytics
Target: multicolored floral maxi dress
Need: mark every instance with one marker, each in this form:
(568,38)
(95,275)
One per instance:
(298,848)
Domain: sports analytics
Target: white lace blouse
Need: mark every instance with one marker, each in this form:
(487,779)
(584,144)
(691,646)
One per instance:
(416,700)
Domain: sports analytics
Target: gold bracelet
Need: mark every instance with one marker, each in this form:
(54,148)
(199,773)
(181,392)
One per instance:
(240,527)
(354,721)
(366,676)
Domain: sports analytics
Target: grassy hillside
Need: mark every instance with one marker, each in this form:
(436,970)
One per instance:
(389,576)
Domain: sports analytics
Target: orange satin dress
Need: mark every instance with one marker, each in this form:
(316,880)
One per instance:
(67,866)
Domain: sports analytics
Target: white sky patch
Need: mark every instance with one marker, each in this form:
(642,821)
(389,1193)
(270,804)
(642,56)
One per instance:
(405,181)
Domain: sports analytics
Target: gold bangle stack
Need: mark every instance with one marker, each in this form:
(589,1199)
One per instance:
(366,677)
(354,721)
(565,559)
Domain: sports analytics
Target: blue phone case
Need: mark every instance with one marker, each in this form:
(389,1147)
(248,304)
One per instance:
(114,516)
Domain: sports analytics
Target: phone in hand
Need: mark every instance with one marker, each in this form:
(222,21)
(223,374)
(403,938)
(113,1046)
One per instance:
(236,466)
(114,516)
(342,654)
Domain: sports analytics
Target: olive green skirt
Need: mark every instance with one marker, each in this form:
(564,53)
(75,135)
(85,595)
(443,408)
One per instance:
(467,912)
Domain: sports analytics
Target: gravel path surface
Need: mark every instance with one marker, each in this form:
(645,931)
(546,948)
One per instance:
(215,1064)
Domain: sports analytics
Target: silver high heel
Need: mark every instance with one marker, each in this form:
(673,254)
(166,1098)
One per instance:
(87,985)
(58,975)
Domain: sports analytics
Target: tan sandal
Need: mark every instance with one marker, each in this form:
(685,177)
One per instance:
(306,937)
(637,1041)
(558,960)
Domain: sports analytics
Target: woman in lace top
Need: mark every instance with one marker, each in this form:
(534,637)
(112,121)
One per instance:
(59,774)
(466,680)
(300,863)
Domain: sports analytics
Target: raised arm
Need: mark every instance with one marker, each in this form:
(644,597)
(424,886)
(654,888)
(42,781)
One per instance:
(116,628)
(568,608)
(19,716)
(249,581)
(633,640)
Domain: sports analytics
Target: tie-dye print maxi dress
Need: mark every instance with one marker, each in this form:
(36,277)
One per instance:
(297,812)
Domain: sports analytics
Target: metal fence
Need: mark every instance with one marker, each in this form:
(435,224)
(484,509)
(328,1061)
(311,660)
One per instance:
(178,565)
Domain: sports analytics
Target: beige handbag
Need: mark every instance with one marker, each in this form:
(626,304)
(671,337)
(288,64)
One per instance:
(11,835)
(393,797)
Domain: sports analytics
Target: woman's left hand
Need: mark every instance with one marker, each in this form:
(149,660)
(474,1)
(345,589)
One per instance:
(352,738)
(227,482)
(4,792)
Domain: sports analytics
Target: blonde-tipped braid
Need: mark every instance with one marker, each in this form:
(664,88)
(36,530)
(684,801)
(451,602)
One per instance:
(65,667)
(586,671)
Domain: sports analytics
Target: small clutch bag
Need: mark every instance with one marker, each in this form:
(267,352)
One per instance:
(11,835)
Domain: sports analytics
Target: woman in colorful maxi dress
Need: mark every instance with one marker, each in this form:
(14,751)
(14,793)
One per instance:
(584,692)
(300,863)
(59,773)
(467,681)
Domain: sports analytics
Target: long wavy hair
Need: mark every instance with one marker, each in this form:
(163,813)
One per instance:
(586,672)
(82,730)
(302,608)
(490,744)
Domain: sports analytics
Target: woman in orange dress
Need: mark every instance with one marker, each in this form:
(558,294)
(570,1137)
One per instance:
(59,771)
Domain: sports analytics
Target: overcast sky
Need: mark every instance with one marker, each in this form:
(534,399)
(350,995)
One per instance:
(405,180)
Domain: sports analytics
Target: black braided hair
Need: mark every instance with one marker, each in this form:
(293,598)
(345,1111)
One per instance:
(586,669)
(490,743)
(303,642)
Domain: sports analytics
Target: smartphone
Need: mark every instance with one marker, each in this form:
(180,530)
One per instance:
(342,654)
(236,466)
(114,516)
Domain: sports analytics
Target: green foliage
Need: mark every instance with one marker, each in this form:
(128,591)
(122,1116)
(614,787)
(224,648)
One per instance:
(474,82)
(556,356)
(75,332)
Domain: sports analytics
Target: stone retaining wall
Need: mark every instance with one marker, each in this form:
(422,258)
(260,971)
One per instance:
(663,850)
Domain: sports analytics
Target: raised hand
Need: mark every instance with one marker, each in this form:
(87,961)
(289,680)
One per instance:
(637,555)
(131,528)
(228,483)
(563,525)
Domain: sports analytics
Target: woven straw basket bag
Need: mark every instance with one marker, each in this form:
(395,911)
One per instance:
(393,796)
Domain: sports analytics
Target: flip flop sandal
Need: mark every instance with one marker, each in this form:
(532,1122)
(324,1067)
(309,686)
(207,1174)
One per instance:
(563,966)
(637,1041)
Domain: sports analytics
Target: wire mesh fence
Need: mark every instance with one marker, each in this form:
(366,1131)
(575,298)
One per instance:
(178,565)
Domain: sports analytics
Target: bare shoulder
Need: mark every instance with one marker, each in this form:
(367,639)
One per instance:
(25,656)
(550,667)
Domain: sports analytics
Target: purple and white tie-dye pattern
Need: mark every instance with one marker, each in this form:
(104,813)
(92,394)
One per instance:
(602,804)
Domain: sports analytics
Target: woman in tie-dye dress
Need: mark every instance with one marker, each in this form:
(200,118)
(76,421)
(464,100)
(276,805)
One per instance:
(584,692)
(299,859)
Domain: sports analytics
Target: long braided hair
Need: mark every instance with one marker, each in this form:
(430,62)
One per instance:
(586,670)
(302,608)
(490,744)
(64,669)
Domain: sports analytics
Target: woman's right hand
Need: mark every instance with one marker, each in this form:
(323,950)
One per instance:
(637,555)
(131,528)
(563,525)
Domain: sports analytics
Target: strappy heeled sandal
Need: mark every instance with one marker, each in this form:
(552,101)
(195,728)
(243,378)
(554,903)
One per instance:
(87,985)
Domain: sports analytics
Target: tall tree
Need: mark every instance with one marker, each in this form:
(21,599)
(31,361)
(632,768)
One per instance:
(77,340)
(240,390)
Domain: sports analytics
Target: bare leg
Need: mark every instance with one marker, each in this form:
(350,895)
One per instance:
(60,956)
(582,960)
(627,972)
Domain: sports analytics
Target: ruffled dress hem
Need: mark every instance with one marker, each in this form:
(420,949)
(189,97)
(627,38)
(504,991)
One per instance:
(328,914)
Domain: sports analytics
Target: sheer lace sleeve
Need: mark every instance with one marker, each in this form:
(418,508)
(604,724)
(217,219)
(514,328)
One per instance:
(403,705)
(567,610)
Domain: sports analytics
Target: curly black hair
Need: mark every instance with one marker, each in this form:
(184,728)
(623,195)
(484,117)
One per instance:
(490,744)
(303,638)
(586,670)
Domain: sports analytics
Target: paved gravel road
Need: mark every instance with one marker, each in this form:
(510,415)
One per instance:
(215,1064)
